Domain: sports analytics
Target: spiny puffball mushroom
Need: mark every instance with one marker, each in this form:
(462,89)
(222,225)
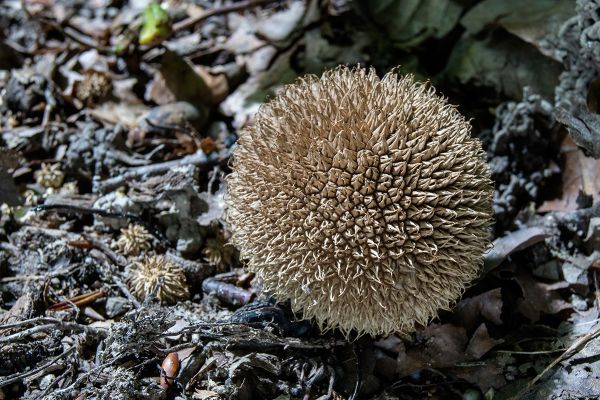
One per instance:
(134,240)
(217,252)
(50,175)
(364,201)
(158,274)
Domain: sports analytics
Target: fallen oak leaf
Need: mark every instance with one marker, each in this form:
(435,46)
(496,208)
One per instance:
(580,174)
(480,343)
(540,297)
(438,346)
(510,243)
(487,304)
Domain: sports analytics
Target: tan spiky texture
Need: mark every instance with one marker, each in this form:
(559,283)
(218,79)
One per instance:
(364,201)
(157,274)
(218,253)
(50,175)
(134,240)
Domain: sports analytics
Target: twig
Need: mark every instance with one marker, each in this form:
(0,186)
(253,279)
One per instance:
(78,301)
(83,377)
(193,159)
(70,209)
(579,343)
(113,256)
(126,291)
(42,320)
(19,376)
(190,22)
(68,370)
(55,325)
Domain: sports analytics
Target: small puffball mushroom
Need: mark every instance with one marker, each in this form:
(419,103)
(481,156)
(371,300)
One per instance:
(50,176)
(134,240)
(157,274)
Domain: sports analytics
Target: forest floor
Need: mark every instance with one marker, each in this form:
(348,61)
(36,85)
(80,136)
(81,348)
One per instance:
(117,119)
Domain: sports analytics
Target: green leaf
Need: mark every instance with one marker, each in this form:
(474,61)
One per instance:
(408,23)
(156,25)
(503,62)
(530,20)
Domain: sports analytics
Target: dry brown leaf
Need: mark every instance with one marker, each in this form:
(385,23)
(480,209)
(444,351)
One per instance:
(540,297)
(488,305)
(392,344)
(218,84)
(481,343)
(580,174)
(490,374)
(512,242)
(439,346)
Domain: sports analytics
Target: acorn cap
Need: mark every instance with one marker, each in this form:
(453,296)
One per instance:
(364,201)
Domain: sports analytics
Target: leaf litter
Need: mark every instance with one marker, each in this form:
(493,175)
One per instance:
(122,114)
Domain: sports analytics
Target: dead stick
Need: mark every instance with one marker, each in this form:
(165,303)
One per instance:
(198,158)
(579,343)
(19,376)
(190,22)
(62,326)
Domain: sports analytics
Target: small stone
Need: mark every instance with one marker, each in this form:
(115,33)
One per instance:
(116,306)
(471,394)
(46,381)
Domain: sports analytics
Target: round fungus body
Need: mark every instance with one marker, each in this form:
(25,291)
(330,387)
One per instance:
(157,275)
(363,201)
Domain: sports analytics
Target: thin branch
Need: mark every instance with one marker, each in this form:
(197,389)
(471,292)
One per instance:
(58,325)
(70,209)
(19,376)
(193,21)
(576,346)
(198,158)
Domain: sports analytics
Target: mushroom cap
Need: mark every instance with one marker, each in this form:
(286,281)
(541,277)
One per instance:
(363,201)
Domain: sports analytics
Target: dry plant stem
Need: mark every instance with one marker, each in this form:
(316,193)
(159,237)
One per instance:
(18,377)
(112,183)
(578,345)
(192,22)
(61,378)
(50,325)
(78,301)
(227,292)
(31,321)
(116,258)
(123,287)
(83,377)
